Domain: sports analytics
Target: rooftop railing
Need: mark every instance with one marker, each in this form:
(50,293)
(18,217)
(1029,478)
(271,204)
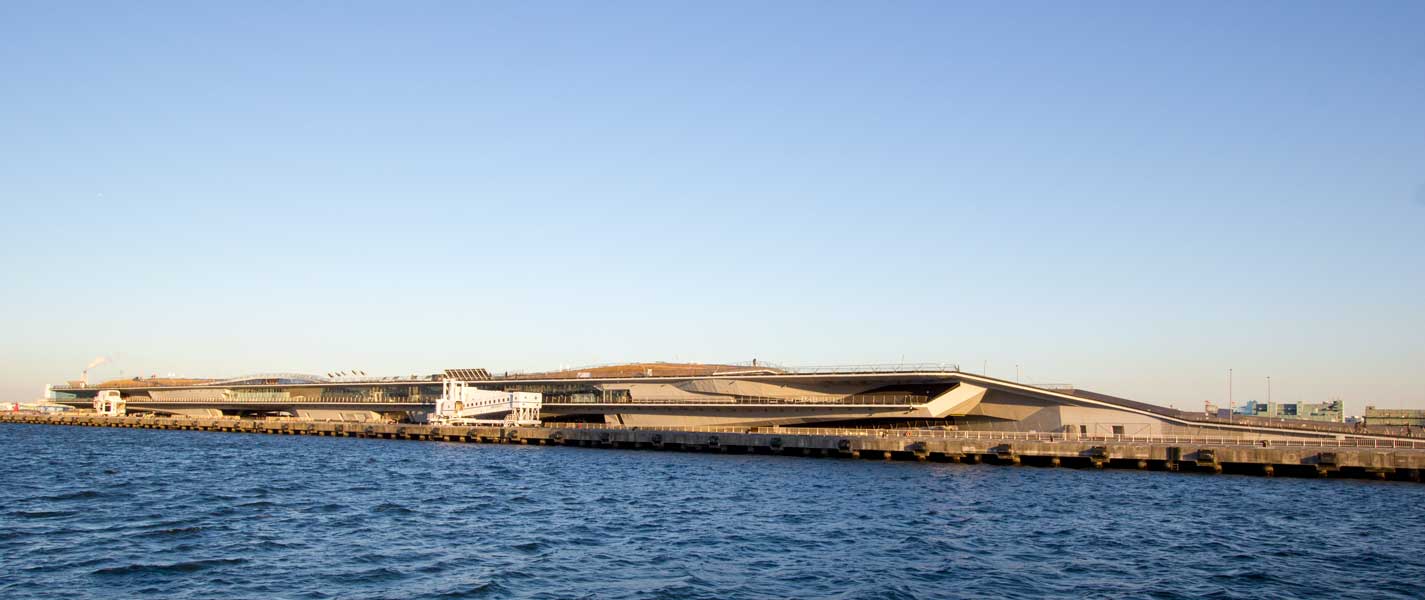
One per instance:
(276,400)
(875,368)
(905,400)
(699,369)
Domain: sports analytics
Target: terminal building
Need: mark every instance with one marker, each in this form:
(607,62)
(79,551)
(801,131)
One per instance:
(677,395)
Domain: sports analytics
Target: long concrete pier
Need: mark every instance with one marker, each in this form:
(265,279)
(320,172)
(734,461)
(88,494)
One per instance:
(1402,462)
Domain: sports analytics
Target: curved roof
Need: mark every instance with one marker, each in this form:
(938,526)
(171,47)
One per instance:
(650,369)
(260,378)
(139,382)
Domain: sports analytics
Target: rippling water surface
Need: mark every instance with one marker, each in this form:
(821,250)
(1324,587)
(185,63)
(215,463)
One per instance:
(104,513)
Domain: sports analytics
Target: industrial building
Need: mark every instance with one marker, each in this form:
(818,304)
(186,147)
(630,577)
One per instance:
(1330,411)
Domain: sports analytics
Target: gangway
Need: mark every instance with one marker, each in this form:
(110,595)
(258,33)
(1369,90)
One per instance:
(110,403)
(463,404)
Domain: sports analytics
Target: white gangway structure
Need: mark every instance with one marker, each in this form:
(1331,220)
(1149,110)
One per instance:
(110,403)
(463,404)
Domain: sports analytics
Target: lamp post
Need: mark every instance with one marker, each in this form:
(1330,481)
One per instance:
(1230,407)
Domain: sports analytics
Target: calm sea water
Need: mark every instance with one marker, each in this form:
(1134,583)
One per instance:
(106,513)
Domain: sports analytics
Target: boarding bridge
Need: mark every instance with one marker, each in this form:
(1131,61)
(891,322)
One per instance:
(110,403)
(463,404)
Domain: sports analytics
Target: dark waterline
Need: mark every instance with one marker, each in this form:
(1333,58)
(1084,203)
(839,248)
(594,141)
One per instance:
(105,513)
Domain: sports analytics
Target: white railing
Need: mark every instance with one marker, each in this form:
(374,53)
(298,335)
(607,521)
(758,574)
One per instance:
(922,434)
(905,400)
(730,369)
(875,368)
(296,400)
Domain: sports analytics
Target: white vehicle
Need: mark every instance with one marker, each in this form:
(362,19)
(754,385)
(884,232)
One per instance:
(462,404)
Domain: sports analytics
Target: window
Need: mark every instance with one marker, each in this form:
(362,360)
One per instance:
(1117,430)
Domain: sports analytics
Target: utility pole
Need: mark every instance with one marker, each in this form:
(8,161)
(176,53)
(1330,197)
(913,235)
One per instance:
(1016,372)
(1230,407)
(1269,390)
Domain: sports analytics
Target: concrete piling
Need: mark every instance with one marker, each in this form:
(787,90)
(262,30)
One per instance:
(1403,464)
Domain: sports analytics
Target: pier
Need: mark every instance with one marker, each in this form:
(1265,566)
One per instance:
(1401,460)
(682,395)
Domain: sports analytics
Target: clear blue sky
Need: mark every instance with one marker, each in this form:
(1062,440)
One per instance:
(1132,197)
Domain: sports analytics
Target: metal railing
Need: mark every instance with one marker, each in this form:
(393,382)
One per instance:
(932,434)
(1306,425)
(291,401)
(875,368)
(904,400)
(728,369)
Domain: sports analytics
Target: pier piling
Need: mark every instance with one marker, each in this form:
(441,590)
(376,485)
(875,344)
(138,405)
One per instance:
(1269,460)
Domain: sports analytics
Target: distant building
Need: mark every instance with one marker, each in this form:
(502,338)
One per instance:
(1213,410)
(1394,416)
(1331,411)
(41,406)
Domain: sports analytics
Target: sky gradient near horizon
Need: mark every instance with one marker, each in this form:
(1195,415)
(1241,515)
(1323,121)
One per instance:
(1130,197)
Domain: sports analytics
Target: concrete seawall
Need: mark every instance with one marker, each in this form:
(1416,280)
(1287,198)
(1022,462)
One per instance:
(1205,456)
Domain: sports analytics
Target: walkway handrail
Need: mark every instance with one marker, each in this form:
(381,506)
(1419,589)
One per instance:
(935,434)
(905,400)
